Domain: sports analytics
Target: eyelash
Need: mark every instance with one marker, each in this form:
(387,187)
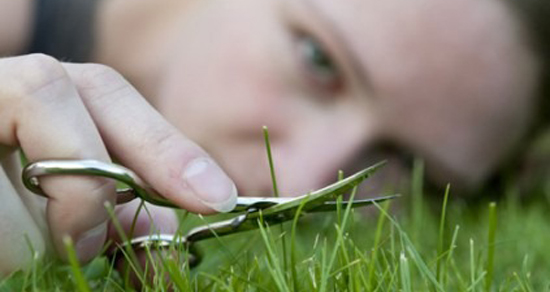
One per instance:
(319,65)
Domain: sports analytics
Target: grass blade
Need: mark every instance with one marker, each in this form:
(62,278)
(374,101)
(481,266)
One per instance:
(79,280)
(442,234)
(491,245)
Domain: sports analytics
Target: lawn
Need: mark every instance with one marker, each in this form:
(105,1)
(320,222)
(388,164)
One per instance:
(427,244)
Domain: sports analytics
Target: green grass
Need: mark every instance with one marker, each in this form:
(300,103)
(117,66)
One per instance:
(419,242)
(456,246)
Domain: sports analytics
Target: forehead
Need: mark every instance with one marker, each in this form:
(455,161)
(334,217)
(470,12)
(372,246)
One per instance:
(452,73)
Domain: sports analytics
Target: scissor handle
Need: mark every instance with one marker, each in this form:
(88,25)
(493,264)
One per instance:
(138,188)
(164,242)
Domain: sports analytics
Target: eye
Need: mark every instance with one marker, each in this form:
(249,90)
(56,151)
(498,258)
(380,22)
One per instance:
(318,64)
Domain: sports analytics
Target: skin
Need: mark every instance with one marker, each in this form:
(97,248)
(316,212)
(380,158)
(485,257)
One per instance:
(450,81)
(428,78)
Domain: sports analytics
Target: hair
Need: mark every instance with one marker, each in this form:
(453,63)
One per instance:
(534,16)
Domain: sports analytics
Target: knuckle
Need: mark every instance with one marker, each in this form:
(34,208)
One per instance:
(35,72)
(97,73)
(35,80)
(100,80)
(40,61)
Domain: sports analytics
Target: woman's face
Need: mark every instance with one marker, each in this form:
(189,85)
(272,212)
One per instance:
(335,80)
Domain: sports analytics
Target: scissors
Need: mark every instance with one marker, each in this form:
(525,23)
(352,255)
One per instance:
(252,211)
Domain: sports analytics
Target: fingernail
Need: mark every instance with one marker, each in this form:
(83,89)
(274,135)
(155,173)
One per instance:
(91,242)
(210,184)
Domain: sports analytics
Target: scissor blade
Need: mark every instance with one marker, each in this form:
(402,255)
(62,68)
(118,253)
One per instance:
(247,203)
(272,204)
(317,198)
(273,210)
(333,205)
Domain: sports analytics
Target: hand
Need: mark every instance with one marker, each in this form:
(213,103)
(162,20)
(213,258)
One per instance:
(53,110)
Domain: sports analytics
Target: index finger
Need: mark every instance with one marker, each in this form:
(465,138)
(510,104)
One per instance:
(141,139)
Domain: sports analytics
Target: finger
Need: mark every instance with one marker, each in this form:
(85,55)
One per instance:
(19,234)
(141,139)
(149,219)
(139,221)
(41,112)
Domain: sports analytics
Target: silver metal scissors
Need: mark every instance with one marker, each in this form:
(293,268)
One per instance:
(254,211)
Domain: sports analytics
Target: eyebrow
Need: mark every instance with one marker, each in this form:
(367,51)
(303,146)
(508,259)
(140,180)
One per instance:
(337,35)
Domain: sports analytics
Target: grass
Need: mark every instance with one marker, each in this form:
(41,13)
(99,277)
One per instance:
(434,242)
(457,247)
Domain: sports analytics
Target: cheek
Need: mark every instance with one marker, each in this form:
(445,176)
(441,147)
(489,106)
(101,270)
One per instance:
(319,142)
(221,90)
(216,102)
(229,83)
